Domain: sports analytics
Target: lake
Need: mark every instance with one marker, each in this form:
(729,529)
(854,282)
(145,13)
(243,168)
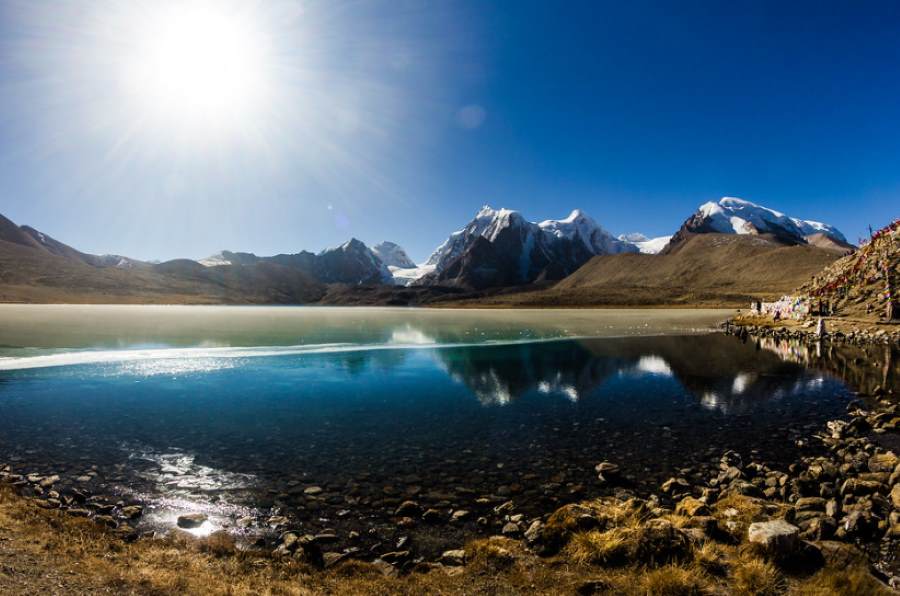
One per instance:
(332,417)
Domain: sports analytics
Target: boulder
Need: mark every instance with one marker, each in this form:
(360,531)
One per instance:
(454,557)
(856,486)
(883,462)
(406,509)
(675,485)
(533,533)
(191,520)
(132,511)
(776,536)
(895,496)
(690,507)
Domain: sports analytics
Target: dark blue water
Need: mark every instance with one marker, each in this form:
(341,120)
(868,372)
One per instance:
(445,426)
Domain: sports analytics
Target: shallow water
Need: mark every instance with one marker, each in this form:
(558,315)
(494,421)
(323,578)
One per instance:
(203,409)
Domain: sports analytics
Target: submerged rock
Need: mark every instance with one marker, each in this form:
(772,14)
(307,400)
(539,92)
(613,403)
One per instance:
(191,520)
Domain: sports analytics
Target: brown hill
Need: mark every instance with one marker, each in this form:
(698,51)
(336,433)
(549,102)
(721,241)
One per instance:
(29,274)
(721,269)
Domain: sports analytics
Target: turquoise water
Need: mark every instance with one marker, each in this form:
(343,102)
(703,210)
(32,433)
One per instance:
(524,413)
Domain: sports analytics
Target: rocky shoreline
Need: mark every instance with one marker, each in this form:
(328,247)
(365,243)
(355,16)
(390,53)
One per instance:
(855,334)
(845,492)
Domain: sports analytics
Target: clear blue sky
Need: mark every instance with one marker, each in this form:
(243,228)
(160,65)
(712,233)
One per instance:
(398,119)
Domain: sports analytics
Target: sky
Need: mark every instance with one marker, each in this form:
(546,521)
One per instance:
(160,130)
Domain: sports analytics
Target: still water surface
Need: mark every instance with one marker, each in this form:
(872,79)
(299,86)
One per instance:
(238,411)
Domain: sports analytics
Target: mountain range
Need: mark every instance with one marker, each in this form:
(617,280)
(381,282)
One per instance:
(497,251)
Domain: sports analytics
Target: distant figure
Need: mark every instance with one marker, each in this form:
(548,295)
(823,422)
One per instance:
(820,328)
(777,315)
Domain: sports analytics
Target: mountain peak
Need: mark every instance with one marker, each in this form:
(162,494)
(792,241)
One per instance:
(732,215)
(393,255)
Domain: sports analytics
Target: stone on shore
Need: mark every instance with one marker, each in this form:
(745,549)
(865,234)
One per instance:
(191,520)
(454,557)
(776,536)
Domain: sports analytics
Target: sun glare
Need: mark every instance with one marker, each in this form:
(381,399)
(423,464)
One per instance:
(198,64)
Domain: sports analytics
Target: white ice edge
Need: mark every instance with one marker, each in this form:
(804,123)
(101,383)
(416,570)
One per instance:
(118,356)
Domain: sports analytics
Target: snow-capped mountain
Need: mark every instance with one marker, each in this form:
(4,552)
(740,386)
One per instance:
(215,260)
(731,215)
(578,227)
(647,246)
(499,247)
(351,262)
(487,223)
(393,255)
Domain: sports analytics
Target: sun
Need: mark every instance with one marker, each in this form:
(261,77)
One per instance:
(197,64)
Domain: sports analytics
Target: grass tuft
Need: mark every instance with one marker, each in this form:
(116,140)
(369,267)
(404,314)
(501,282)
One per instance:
(756,577)
(674,580)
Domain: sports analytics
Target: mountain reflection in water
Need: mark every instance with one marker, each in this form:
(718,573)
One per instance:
(421,415)
(719,371)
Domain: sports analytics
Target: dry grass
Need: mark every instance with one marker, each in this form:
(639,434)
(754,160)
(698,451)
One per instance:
(756,577)
(852,581)
(674,580)
(494,553)
(610,548)
(47,552)
(714,558)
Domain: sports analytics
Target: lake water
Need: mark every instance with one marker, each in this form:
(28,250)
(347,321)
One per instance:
(237,412)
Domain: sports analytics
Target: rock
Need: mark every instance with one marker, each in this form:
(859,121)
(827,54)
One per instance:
(309,552)
(106,520)
(690,507)
(504,508)
(132,511)
(883,462)
(312,491)
(606,470)
(78,512)
(406,509)
(49,481)
(245,522)
(459,515)
(325,537)
(810,504)
(331,559)
(277,520)
(510,529)
(533,533)
(191,520)
(776,536)
(432,516)
(895,496)
(840,554)
(856,486)
(395,557)
(454,557)
(673,485)
(289,540)
(659,541)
